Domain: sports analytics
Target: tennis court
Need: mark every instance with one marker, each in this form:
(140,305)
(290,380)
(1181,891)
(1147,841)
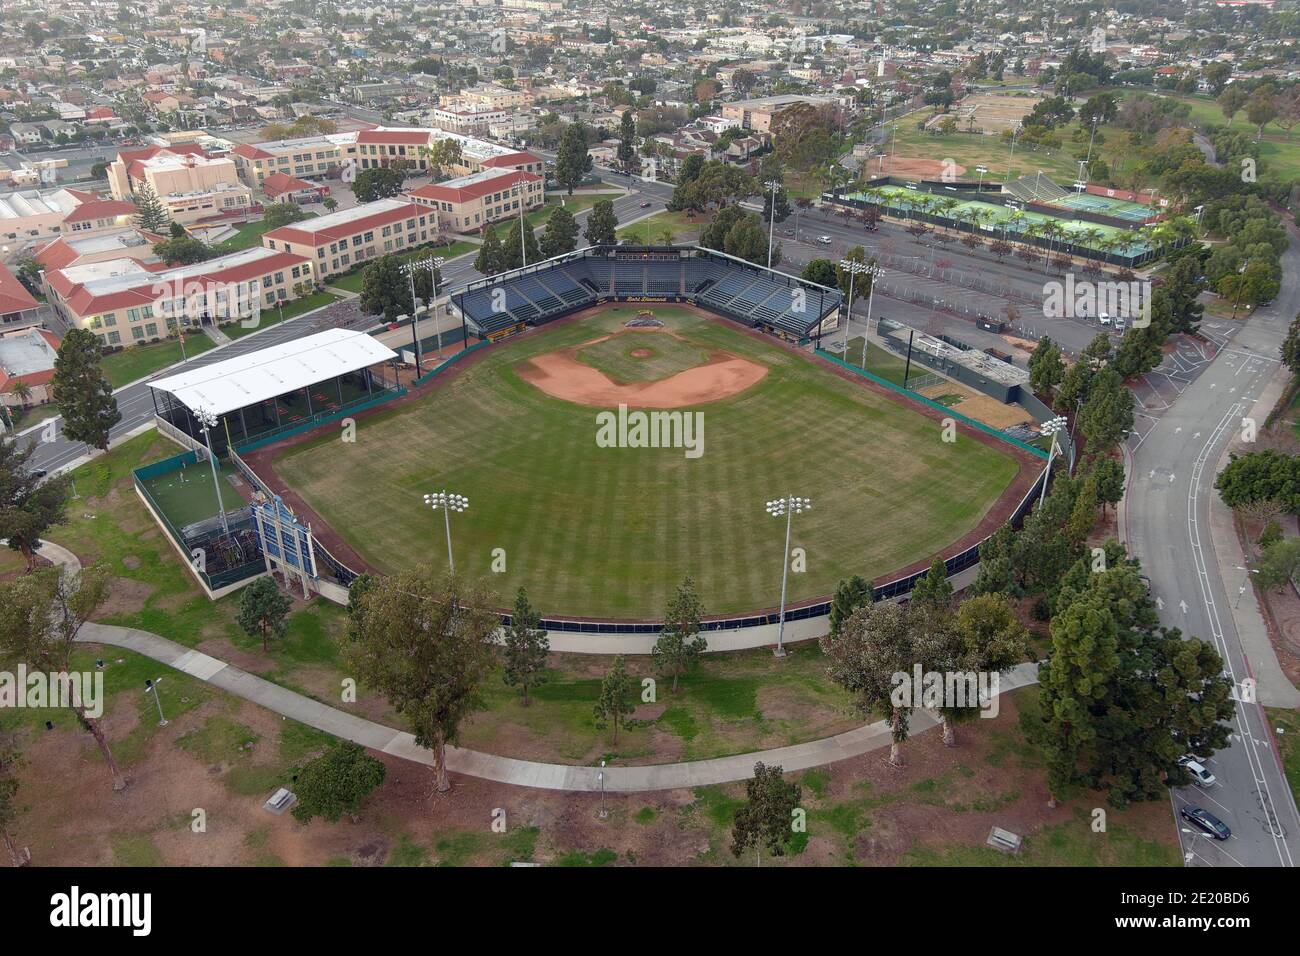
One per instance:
(1007,220)
(1106,206)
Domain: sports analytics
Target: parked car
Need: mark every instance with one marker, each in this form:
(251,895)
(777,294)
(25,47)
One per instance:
(1205,821)
(1119,323)
(1104,318)
(1199,773)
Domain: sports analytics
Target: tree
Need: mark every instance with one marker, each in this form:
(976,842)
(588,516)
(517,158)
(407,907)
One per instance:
(627,140)
(602,224)
(330,203)
(185,250)
(560,235)
(1106,415)
(526,647)
(1109,475)
(766,819)
(81,392)
(280,214)
(264,610)
(821,271)
(490,253)
(680,643)
(1291,345)
(29,506)
(983,637)
(1232,100)
(850,595)
(748,240)
(384,289)
(336,782)
(381,182)
(1260,476)
(873,645)
(425,643)
(934,589)
(519,245)
(10,762)
(572,161)
(41,615)
(1261,109)
(714,235)
(150,214)
(614,705)
(1046,367)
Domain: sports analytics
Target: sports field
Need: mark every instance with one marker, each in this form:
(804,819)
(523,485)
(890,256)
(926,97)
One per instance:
(608,531)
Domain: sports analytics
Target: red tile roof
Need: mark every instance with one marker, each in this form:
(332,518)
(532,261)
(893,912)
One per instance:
(278,184)
(441,192)
(510,159)
(14,296)
(83,302)
(302,232)
(100,209)
(249,151)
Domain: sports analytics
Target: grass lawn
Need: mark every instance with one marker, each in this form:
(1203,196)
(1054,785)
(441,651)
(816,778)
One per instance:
(351,281)
(250,235)
(595,531)
(649,231)
(272,316)
(887,365)
(185,496)
(731,703)
(1286,728)
(137,361)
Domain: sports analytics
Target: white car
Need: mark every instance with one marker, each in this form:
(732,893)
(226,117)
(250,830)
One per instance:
(1194,767)
(1104,318)
(824,240)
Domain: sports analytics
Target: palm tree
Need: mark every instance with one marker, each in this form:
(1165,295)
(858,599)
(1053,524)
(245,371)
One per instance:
(666,236)
(23,391)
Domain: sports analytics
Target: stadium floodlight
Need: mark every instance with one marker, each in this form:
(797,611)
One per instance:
(1053,427)
(447,502)
(411,268)
(854,268)
(774,185)
(787,508)
(208,421)
(874,272)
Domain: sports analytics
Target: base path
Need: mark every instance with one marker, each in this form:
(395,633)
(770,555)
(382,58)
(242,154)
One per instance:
(522,773)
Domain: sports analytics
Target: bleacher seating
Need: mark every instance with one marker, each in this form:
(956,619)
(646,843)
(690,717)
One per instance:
(746,293)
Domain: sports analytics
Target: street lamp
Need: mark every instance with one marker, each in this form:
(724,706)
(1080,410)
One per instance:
(447,502)
(207,422)
(786,507)
(151,686)
(1052,426)
(1242,589)
(774,185)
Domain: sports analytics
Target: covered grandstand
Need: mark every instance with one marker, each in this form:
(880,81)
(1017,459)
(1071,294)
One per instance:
(760,298)
(285,387)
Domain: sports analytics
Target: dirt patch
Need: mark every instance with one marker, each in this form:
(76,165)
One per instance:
(907,168)
(125,596)
(642,353)
(561,375)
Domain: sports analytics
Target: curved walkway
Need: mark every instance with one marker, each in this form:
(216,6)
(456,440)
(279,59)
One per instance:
(523,773)
(473,763)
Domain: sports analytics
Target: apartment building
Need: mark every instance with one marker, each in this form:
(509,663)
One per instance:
(383,146)
(337,242)
(44,214)
(496,97)
(757,114)
(191,184)
(467,203)
(305,158)
(470,119)
(126,303)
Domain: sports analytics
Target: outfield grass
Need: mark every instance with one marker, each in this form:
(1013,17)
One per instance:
(137,361)
(649,231)
(884,364)
(610,531)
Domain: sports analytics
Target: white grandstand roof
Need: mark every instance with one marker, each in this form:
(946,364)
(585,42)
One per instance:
(225,386)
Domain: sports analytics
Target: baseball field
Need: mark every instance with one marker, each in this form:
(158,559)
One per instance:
(564,493)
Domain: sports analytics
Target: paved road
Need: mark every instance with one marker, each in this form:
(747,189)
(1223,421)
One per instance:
(1169,528)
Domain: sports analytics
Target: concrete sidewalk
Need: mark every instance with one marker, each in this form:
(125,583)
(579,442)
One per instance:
(1273,688)
(523,773)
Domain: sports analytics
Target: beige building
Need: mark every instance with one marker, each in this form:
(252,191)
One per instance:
(191,184)
(382,146)
(125,303)
(45,214)
(306,158)
(342,239)
(757,114)
(468,203)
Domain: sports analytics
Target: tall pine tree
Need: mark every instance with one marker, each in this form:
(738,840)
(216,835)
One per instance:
(81,393)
